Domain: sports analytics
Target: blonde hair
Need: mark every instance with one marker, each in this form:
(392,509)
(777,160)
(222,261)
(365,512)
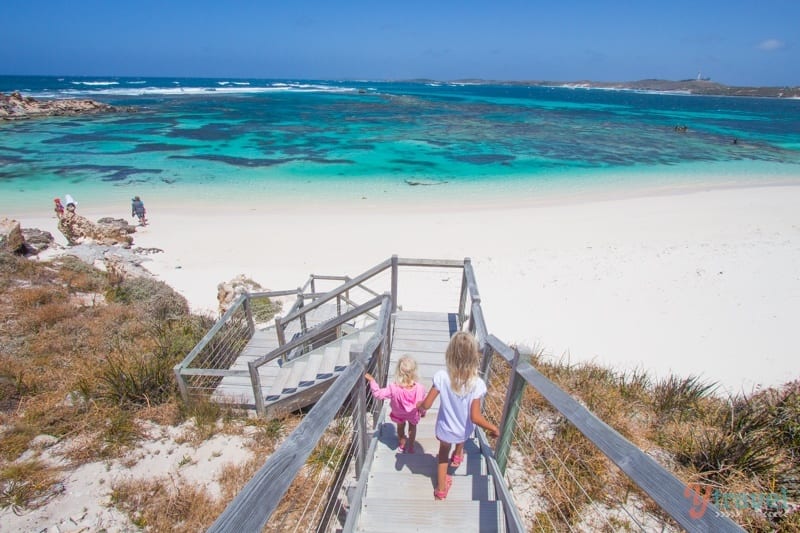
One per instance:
(406,372)
(462,358)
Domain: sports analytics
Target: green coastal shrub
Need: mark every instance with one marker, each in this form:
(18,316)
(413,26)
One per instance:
(264,309)
(157,299)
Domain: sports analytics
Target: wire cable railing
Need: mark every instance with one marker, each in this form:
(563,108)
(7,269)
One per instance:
(332,434)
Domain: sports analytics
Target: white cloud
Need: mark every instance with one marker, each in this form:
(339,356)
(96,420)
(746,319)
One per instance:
(770,45)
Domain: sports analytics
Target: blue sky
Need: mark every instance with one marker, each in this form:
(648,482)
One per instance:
(736,42)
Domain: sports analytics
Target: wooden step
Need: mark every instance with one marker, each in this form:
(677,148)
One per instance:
(276,389)
(312,369)
(329,357)
(343,361)
(291,385)
(389,515)
(420,486)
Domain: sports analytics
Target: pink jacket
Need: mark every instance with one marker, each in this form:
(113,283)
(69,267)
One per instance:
(402,401)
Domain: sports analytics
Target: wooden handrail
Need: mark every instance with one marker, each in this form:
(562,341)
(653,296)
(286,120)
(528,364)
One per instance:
(251,508)
(338,290)
(514,522)
(318,330)
(665,489)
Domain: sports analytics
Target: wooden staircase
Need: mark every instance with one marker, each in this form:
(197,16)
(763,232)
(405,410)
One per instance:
(288,385)
(399,494)
(400,488)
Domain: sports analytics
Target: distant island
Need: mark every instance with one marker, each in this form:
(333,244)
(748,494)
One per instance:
(702,86)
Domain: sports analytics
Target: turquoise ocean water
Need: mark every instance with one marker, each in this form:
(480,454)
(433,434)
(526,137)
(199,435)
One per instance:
(265,141)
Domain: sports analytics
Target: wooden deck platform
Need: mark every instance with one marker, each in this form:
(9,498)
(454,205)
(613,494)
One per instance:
(399,495)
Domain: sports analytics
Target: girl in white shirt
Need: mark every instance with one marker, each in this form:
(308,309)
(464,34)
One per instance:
(460,389)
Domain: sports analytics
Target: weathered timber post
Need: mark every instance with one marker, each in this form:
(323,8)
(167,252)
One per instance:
(255,380)
(462,301)
(508,424)
(359,398)
(486,362)
(395,263)
(181,383)
(300,305)
(279,331)
(248,311)
(395,275)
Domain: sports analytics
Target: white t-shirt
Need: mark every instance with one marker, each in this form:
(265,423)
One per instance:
(453,424)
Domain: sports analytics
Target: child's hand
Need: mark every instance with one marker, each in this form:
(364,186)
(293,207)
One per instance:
(368,376)
(422,411)
(493,432)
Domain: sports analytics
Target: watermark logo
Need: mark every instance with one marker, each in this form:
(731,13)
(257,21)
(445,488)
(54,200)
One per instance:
(700,496)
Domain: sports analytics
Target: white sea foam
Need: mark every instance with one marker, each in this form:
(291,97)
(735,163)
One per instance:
(93,83)
(137,82)
(223,88)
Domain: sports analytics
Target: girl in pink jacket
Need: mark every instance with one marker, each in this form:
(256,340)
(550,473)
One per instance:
(403,395)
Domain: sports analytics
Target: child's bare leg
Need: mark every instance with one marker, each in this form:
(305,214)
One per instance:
(412,436)
(444,461)
(459,449)
(401,434)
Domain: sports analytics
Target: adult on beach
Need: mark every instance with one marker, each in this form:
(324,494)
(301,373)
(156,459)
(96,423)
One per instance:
(58,208)
(138,210)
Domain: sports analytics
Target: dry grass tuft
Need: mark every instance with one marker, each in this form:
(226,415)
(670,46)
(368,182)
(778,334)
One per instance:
(166,505)
(27,485)
(736,445)
(85,375)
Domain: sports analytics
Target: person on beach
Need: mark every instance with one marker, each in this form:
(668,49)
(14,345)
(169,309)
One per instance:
(70,201)
(59,208)
(460,390)
(403,395)
(137,210)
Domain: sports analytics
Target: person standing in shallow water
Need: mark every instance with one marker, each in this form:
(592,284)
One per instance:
(137,210)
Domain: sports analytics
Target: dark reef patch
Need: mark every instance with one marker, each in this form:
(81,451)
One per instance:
(484,159)
(156,147)
(414,162)
(83,138)
(209,132)
(236,161)
(106,172)
(327,161)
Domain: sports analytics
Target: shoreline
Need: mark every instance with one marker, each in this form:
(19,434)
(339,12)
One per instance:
(286,194)
(694,283)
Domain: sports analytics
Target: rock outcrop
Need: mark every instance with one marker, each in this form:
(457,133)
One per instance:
(228,291)
(15,240)
(77,229)
(11,238)
(37,240)
(15,106)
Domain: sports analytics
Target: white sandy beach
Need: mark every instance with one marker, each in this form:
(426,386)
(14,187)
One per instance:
(700,283)
(703,283)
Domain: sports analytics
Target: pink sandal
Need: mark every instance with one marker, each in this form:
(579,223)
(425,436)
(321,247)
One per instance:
(441,495)
(455,460)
